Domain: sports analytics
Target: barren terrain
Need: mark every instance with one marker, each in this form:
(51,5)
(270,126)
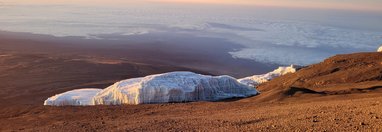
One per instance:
(340,94)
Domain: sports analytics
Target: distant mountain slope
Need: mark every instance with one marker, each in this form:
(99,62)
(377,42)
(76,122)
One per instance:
(28,78)
(341,74)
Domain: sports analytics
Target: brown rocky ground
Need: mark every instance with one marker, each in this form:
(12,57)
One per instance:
(340,94)
(354,112)
(341,74)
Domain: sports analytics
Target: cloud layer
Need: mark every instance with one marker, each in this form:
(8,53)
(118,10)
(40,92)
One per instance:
(271,36)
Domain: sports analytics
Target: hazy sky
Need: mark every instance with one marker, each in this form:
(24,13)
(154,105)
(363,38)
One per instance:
(374,5)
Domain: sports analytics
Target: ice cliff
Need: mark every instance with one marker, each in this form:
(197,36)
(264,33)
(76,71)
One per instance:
(173,87)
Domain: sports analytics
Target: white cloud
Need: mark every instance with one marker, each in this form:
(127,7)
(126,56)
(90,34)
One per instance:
(264,38)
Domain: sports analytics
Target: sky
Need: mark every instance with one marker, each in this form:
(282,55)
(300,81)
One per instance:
(366,5)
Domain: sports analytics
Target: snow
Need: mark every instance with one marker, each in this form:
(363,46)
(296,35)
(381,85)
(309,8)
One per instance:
(380,49)
(79,97)
(255,80)
(168,87)
(173,87)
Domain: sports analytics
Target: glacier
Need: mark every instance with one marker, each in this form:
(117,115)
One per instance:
(78,97)
(255,80)
(173,87)
(169,87)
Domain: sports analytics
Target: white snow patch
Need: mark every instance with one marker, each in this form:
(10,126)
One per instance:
(79,97)
(173,87)
(255,80)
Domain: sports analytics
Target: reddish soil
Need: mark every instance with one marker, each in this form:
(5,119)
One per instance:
(341,74)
